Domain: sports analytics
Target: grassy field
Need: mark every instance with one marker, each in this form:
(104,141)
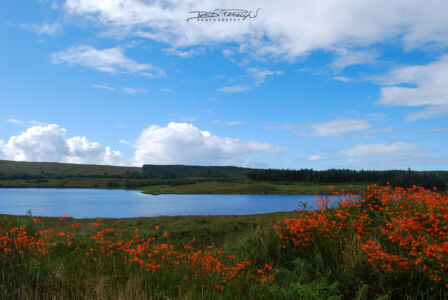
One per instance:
(392,244)
(248,187)
(56,275)
(220,231)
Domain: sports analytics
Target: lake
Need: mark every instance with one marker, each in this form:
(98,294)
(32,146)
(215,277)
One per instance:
(92,203)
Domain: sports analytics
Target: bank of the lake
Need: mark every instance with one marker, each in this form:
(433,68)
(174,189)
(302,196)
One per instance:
(249,188)
(206,187)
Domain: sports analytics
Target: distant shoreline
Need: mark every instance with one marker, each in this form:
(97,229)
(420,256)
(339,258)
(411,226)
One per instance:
(209,187)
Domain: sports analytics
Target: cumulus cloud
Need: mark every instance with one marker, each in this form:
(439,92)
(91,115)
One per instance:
(49,143)
(324,24)
(110,60)
(430,88)
(183,143)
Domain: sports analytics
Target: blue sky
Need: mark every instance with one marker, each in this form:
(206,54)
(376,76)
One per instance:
(301,85)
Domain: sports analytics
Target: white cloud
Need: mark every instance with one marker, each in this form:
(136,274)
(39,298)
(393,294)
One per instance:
(282,28)
(112,157)
(386,156)
(233,89)
(337,128)
(102,86)
(166,90)
(110,60)
(430,88)
(134,90)
(316,157)
(376,116)
(182,54)
(188,119)
(183,143)
(260,75)
(49,143)
(323,129)
(44,28)
(396,149)
(293,128)
(342,78)
(228,123)
(14,121)
(20,122)
(346,58)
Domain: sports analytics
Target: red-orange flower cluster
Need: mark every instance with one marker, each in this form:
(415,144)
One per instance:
(399,230)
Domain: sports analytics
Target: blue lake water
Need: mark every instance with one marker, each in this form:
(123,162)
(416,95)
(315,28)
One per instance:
(91,203)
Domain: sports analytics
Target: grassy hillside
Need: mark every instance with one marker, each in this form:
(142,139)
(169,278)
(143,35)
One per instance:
(8,167)
(183,171)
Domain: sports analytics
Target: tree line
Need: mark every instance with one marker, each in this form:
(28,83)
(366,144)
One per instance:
(427,179)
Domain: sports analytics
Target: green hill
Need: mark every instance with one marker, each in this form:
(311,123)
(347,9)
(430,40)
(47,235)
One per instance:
(39,168)
(183,171)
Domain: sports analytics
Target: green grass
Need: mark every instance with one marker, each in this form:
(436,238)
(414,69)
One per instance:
(221,231)
(59,277)
(246,188)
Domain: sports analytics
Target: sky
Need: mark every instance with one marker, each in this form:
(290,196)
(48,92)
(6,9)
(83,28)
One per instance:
(278,84)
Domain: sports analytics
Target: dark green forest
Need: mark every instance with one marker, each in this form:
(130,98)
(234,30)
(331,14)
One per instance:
(183,171)
(427,179)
